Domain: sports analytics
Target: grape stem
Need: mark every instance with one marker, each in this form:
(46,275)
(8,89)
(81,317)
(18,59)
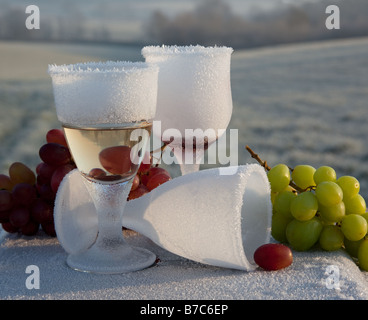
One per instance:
(256,157)
(161,149)
(268,168)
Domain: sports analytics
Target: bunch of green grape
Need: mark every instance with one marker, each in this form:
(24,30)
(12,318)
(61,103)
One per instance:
(312,206)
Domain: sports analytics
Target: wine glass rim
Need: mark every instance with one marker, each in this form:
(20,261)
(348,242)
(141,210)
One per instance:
(101,67)
(188,50)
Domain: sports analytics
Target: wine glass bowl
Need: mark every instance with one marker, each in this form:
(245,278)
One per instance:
(194,98)
(106,110)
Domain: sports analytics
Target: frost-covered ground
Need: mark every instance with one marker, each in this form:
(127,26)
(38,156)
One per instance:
(173,277)
(304,103)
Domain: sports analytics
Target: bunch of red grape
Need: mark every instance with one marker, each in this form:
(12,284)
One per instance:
(27,197)
(148,177)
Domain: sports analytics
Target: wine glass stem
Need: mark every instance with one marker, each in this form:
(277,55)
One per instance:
(110,201)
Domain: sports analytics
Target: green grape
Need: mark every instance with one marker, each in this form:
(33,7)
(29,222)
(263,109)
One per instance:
(302,175)
(365,216)
(328,193)
(332,213)
(350,186)
(324,173)
(278,227)
(363,255)
(282,203)
(304,207)
(356,204)
(326,223)
(302,235)
(331,238)
(352,247)
(273,197)
(279,177)
(354,227)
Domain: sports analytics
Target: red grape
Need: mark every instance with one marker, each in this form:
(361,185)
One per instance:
(56,136)
(24,194)
(116,160)
(41,180)
(6,200)
(135,183)
(55,154)
(145,164)
(140,191)
(41,211)
(19,173)
(273,256)
(4,216)
(19,217)
(144,178)
(45,172)
(97,173)
(45,192)
(157,170)
(49,228)
(5,182)
(58,176)
(157,180)
(38,167)
(31,228)
(8,227)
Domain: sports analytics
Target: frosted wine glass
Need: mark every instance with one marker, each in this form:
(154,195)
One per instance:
(105,109)
(209,216)
(194,101)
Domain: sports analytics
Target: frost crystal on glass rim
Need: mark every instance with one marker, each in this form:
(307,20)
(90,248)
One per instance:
(96,92)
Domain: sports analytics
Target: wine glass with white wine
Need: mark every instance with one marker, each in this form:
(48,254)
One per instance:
(194,103)
(106,110)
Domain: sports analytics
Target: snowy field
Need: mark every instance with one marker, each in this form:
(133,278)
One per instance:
(295,104)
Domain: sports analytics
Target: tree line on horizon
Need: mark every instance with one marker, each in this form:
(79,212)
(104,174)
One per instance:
(212,22)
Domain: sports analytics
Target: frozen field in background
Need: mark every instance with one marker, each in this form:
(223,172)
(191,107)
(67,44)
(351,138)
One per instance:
(301,104)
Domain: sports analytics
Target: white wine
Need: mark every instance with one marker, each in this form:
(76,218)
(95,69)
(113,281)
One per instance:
(108,154)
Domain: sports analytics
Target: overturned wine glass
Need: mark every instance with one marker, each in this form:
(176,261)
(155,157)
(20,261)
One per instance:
(217,216)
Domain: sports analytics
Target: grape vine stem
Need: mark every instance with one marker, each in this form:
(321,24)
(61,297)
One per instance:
(256,157)
(268,168)
(161,149)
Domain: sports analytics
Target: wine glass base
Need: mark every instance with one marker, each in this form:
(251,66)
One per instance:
(94,260)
